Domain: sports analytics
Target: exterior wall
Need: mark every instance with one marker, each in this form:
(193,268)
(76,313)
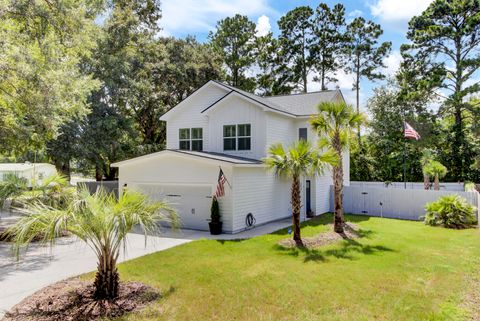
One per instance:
(260,192)
(190,116)
(322,192)
(41,171)
(280,129)
(234,111)
(177,171)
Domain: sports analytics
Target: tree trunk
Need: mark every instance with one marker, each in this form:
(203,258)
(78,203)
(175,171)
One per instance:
(339,220)
(437,183)
(98,174)
(296,209)
(107,278)
(426,182)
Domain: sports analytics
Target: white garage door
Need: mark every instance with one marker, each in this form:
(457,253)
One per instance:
(191,202)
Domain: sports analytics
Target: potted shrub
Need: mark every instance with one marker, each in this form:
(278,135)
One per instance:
(215,224)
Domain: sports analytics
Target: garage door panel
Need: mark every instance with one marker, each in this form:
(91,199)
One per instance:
(191,202)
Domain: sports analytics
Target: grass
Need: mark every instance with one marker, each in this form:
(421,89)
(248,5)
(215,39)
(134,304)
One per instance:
(399,270)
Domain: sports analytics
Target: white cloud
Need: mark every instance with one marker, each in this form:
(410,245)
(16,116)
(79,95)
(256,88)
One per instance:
(355,13)
(263,26)
(194,16)
(392,63)
(398,10)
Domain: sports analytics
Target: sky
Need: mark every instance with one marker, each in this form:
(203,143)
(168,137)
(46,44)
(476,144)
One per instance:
(198,18)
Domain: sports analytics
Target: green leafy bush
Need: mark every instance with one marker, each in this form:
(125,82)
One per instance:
(451,211)
(469,187)
(215,211)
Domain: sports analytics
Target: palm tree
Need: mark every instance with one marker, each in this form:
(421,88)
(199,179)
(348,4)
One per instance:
(437,170)
(426,158)
(334,125)
(300,159)
(101,221)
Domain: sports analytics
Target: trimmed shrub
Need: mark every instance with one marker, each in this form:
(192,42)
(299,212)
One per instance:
(215,211)
(451,211)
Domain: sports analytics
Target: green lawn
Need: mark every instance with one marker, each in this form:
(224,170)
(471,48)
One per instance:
(400,270)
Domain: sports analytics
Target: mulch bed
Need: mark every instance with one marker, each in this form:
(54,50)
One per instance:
(322,239)
(72,299)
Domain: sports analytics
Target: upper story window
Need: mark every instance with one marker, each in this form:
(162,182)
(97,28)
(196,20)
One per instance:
(191,139)
(237,137)
(302,134)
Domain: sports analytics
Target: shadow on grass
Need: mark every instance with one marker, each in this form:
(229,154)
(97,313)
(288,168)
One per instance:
(346,250)
(325,219)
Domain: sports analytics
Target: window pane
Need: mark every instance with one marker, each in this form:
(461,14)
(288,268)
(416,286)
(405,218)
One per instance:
(229,131)
(197,145)
(184,133)
(302,133)
(244,143)
(197,133)
(244,130)
(229,144)
(185,144)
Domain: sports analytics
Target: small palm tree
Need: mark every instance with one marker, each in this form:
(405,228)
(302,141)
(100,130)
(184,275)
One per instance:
(334,125)
(101,221)
(426,158)
(300,159)
(11,186)
(437,170)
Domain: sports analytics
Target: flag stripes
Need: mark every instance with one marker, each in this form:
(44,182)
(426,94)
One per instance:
(220,191)
(409,132)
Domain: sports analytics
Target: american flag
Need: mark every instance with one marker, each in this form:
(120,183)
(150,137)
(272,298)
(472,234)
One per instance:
(220,184)
(410,132)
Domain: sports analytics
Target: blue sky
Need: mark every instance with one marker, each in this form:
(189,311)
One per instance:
(198,17)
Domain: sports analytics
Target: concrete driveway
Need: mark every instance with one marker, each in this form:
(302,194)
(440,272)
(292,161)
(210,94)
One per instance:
(70,257)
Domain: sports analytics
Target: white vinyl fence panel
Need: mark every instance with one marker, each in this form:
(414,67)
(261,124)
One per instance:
(406,204)
(410,185)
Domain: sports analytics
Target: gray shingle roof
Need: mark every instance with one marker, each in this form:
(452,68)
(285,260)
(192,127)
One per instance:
(294,104)
(219,156)
(304,104)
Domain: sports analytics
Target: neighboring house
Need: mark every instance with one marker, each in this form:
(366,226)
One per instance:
(219,126)
(27,170)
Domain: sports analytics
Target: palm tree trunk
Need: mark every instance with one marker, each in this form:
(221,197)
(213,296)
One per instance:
(426,182)
(338,198)
(437,183)
(107,278)
(338,220)
(296,210)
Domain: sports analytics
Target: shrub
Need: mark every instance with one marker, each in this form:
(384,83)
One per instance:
(451,211)
(215,211)
(469,187)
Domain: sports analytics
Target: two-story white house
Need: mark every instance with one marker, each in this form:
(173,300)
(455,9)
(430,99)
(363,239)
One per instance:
(219,126)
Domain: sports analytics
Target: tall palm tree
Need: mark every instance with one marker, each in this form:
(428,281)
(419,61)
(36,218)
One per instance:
(426,158)
(299,159)
(436,170)
(101,221)
(334,124)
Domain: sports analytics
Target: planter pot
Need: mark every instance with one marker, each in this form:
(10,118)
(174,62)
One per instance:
(215,228)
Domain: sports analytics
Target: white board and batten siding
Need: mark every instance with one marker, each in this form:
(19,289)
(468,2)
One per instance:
(188,188)
(262,193)
(234,111)
(394,202)
(189,116)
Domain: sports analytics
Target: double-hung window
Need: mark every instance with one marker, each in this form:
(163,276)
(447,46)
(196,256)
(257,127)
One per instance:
(191,139)
(237,137)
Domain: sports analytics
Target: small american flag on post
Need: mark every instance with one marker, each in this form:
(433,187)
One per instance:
(409,132)
(220,184)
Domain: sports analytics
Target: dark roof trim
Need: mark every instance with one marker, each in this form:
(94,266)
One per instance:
(231,91)
(258,101)
(210,155)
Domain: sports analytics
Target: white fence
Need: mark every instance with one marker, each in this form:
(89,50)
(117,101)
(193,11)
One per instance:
(394,202)
(410,185)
